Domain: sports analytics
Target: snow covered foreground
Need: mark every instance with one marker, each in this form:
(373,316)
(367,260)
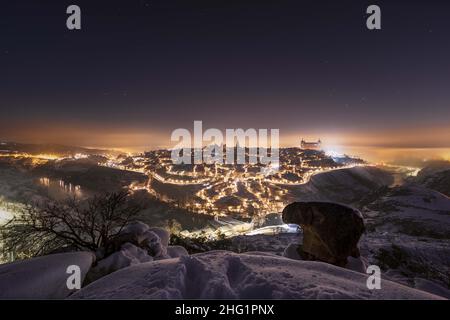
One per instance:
(227,275)
(42,277)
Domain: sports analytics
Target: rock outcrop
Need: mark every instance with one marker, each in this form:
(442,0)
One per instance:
(331,231)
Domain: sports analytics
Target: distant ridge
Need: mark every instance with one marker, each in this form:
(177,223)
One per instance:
(51,148)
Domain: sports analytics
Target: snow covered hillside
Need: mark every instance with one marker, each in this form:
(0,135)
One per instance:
(436,176)
(408,235)
(344,185)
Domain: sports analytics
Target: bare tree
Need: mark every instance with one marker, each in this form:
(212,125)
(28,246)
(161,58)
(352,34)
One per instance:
(81,225)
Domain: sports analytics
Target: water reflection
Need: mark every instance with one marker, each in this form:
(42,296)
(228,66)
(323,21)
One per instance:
(59,189)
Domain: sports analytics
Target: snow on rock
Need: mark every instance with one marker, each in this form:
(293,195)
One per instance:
(136,227)
(227,275)
(42,277)
(154,240)
(163,234)
(132,233)
(153,244)
(127,256)
(136,243)
(176,251)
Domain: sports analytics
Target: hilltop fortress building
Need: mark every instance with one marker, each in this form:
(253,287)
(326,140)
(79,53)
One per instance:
(311,145)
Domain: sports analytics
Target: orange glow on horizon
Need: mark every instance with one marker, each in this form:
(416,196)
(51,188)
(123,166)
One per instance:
(417,142)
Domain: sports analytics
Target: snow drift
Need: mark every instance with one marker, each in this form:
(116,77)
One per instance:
(226,275)
(42,277)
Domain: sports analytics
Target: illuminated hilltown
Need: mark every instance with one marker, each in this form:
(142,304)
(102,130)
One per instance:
(235,198)
(224,150)
(238,196)
(247,190)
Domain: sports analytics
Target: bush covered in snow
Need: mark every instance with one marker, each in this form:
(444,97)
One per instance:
(136,243)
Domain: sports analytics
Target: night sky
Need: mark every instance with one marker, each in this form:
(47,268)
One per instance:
(139,69)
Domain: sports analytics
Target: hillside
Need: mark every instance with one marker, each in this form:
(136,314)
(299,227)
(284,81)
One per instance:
(436,176)
(406,235)
(344,185)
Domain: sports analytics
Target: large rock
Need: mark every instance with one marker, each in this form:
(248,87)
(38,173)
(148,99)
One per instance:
(331,231)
